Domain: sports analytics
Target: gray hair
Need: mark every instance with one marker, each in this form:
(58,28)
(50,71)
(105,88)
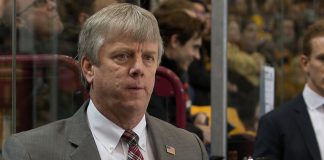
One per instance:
(117,21)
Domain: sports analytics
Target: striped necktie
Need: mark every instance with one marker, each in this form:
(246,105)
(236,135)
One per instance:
(131,139)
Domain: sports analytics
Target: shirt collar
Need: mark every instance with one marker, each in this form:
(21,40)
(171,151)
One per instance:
(108,132)
(140,130)
(312,99)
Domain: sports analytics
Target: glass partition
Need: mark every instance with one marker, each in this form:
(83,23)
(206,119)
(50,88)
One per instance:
(39,76)
(39,73)
(6,74)
(263,33)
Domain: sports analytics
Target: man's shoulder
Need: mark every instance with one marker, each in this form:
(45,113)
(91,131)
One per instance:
(42,134)
(188,145)
(46,141)
(168,128)
(286,109)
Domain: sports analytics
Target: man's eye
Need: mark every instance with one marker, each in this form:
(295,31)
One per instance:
(122,57)
(148,58)
(321,58)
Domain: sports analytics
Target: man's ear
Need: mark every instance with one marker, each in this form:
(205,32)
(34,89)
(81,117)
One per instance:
(304,62)
(82,18)
(87,69)
(174,42)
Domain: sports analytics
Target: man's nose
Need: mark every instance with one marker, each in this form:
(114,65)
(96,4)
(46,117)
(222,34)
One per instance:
(136,69)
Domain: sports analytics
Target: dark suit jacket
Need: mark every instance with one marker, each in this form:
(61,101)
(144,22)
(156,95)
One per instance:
(71,139)
(287,134)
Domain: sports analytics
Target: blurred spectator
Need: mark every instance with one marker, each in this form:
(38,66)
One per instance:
(201,67)
(287,47)
(285,37)
(171,5)
(181,32)
(99,4)
(250,41)
(202,12)
(74,14)
(243,75)
(238,8)
(38,25)
(241,61)
(242,87)
(269,11)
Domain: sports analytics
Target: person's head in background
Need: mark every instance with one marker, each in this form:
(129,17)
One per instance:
(171,5)
(182,36)
(201,10)
(234,30)
(312,58)
(76,12)
(120,48)
(238,7)
(249,37)
(37,16)
(289,35)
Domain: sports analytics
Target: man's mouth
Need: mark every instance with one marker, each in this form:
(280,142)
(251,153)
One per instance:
(135,87)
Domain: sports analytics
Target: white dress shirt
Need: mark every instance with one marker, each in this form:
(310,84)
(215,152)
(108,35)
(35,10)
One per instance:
(315,107)
(107,136)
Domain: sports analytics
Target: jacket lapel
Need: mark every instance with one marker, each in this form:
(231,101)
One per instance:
(80,137)
(86,150)
(159,140)
(304,122)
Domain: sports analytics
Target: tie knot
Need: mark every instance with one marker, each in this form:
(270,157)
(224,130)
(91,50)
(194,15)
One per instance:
(130,137)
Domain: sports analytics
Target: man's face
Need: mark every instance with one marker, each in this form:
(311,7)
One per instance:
(123,80)
(314,66)
(185,54)
(41,16)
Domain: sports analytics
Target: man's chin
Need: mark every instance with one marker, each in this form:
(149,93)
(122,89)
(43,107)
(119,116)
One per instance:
(137,105)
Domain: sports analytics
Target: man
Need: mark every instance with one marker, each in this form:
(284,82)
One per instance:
(181,31)
(181,34)
(295,130)
(119,52)
(38,24)
(75,13)
(201,67)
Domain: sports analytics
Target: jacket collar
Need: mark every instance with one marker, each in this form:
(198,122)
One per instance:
(80,137)
(161,141)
